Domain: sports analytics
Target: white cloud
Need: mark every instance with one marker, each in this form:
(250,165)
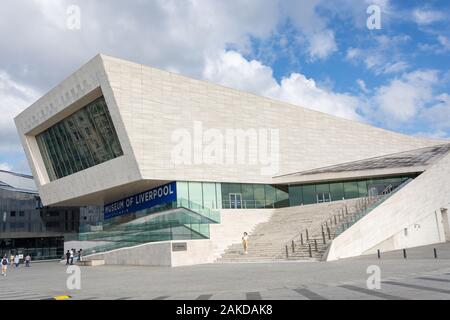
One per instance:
(14,97)
(404,98)
(315,35)
(426,16)
(233,70)
(438,115)
(382,56)
(444,42)
(362,85)
(353,53)
(5,166)
(322,45)
(442,45)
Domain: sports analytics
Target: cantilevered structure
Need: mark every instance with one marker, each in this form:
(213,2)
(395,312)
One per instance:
(169,157)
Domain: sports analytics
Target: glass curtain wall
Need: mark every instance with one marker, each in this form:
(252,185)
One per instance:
(204,194)
(326,192)
(254,196)
(258,196)
(82,140)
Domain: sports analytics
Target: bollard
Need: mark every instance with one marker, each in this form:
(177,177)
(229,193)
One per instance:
(301,238)
(287,252)
(404,254)
(323,237)
(379,254)
(315,244)
(335,220)
(293,246)
(329,233)
(307,235)
(435,253)
(321,227)
(310,251)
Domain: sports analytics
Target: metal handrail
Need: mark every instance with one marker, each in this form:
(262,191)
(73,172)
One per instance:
(386,194)
(331,230)
(309,232)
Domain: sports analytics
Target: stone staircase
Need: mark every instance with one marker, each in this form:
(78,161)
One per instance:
(312,243)
(233,224)
(268,240)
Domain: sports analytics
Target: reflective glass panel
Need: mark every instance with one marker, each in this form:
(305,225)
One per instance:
(351,190)
(80,141)
(309,194)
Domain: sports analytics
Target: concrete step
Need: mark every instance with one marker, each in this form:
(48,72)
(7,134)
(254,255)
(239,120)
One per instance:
(269,238)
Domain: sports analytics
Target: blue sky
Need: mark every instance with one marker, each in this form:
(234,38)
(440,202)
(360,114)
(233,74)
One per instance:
(317,54)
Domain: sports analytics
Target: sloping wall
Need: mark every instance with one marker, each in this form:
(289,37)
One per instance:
(411,217)
(155,103)
(148,105)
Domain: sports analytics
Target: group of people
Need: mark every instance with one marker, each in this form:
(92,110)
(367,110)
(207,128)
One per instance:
(14,260)
(70,255)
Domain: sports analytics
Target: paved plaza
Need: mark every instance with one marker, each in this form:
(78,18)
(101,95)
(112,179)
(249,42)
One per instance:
(418,277)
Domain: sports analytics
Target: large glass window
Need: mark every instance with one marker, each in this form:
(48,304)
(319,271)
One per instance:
(248,196)
(196,194)
(82,140)
(282,193)
(337,191)
(351,190)
(271,196)
(309,194)
(260,198)
(209,195)
(362,188)
(295,196)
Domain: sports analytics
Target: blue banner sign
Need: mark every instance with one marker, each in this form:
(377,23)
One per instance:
(144,200)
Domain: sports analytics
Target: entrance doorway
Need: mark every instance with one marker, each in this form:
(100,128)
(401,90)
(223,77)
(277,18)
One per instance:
(323,197)
(235,201)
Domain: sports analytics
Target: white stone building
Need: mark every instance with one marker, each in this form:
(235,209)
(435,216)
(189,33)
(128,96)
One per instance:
(184,166)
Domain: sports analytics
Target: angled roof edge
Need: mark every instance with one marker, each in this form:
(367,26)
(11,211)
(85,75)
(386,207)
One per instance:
(438,152)
(272,100)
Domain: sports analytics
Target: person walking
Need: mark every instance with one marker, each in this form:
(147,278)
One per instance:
(72,254)
(67,257)
(245,242)
(27,261)
(11,259)
(4,263)
(16,260)
(80,252)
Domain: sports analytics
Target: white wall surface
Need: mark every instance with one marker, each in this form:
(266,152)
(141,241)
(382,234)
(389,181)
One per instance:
(416,208)
(147,105)
(159,254)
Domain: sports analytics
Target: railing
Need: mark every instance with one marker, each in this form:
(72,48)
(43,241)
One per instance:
(365,210)
(318,235)
(338,222)
(181,203)
(187,221)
